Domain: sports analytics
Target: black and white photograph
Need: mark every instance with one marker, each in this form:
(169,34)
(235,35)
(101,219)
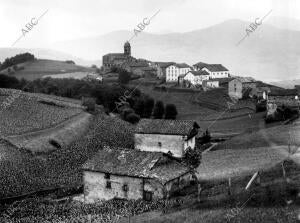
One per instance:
(150,111)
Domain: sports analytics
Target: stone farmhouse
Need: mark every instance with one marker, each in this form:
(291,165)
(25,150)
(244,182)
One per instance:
(166,136)
(282,97)
(132,174)
(239,85)
(152,170)
(173,71)
(216,83)
(214,70)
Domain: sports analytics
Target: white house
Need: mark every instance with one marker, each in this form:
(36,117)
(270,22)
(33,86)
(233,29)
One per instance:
(210,84)
(166,136)
(214,70)
(196,77)
(173,71)
(161,68)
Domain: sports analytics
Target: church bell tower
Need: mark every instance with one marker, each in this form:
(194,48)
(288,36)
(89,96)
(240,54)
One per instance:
(127,49)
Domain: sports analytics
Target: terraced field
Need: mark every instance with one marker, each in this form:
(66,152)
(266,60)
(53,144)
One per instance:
(29,112)
(23,172)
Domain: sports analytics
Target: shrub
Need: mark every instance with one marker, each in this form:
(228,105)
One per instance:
(148,107)
(133,118)
(70,62)
(171,111)
(124,76)
(90,103)
(159,110)
(206,137)
(125,112)
(192,157)
(19,58)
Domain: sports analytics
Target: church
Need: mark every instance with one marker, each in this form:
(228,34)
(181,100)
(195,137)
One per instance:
(112,59)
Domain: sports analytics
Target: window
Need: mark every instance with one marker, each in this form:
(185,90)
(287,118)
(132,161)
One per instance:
(107,176)
(108,184)
(147,196)
(159,144)
(125,187)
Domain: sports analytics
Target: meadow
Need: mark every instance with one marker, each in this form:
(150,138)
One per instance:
(38,68)
(23,172)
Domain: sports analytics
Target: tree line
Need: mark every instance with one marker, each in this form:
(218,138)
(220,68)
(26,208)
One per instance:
(19,58)
(137,106)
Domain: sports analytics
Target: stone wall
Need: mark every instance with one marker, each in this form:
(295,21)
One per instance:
(95,187)
(160,143)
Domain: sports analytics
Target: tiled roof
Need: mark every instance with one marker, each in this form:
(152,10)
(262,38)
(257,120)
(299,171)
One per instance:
(222,80)
(199,73)
(166,126)
(164,64)
(182,65)
(211,67)
(200,65)
(115,55)
(215,67)
(135,163)
(138,64)
(245,79)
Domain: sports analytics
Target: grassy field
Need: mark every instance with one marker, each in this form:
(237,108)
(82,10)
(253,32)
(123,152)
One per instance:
(218,215)
(23,172)
(273,136)
(222,164)
(40,67)
(221,122)
(65,133)
(75,75)
(28,112)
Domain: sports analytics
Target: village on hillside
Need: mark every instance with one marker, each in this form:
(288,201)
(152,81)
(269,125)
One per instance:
(166,135)
(127,139)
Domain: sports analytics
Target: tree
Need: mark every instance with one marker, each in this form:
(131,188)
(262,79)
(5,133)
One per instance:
(89,103)
(171,111)
(94,66)
(192,157)
(133,118)
(70,61)
(148,107)
(159,110)
(139,107)
(8,81)
(206,137)
(124,76)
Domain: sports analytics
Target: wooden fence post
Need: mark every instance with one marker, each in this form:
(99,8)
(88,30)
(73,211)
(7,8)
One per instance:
(283,171)
(229,186)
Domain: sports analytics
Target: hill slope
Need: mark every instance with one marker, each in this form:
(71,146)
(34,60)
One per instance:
(39,68)
(46,54)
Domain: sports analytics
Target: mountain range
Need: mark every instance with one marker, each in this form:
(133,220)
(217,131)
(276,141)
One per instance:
(271,52)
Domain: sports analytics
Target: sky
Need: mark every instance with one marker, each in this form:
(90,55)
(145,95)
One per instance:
(72,19)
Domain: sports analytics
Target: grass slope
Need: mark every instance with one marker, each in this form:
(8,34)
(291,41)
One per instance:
(40,67)
(28,112)
(23,172)
(273,136)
